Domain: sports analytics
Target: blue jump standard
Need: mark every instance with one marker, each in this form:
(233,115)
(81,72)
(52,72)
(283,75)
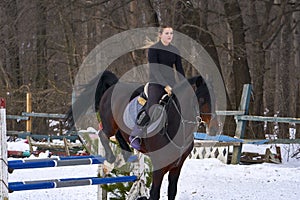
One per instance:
(67,182)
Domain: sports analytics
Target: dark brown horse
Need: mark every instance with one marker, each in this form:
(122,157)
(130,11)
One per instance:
(169,143)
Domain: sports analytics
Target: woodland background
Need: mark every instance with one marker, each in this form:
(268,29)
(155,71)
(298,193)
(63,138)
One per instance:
(44,42)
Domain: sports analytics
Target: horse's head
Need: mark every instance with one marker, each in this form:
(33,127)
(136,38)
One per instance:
(206,102)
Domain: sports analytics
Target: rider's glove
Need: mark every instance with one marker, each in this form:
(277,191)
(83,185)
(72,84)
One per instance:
(168,89)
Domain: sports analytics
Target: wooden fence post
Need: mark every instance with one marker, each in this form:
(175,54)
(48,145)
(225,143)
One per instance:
(29,110)
(3,153)
(241,124)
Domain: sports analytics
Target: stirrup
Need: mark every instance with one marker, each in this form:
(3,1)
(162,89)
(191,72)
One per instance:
(135,138)
(135,143)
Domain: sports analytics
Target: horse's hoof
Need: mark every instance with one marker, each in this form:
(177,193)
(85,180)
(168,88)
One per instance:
(126,154)
(142,198)
(108,167)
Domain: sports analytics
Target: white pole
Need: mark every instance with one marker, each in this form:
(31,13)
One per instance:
(102,194)
(3,153)
(139,187)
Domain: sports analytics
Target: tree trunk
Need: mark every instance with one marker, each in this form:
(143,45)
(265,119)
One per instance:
(239,56)
(284,82)
(12,63)
(41,46)
(295,110)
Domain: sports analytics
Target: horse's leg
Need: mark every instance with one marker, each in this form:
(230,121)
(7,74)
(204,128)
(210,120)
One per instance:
(157,178)
(126,151)
(109,155)
(213,126)
(173,180)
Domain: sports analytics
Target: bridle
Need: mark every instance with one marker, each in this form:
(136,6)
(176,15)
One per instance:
(197,121)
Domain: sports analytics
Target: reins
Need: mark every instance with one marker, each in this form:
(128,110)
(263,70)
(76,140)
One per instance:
(198,121)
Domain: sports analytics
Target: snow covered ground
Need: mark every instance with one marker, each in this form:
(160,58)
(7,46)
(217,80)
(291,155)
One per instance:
(200,179)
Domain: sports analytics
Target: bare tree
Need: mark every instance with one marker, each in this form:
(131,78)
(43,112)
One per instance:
(43,43)
(238,53)
(11,63)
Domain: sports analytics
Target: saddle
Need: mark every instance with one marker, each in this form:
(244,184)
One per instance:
(136,105)
(143,97)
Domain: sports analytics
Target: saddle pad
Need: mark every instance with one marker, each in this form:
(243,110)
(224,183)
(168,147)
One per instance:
(131,111)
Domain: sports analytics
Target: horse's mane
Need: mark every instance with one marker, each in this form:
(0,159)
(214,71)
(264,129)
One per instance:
(202,89)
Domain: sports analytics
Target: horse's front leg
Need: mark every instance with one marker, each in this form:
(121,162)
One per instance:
(173,180)
(126,151)
(157,178)
(109,155)
(213,127)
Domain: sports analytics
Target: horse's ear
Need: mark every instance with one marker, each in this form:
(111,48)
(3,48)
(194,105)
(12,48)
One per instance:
(200,81)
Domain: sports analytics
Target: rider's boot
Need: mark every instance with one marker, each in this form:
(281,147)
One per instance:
(134,138)
(138,130)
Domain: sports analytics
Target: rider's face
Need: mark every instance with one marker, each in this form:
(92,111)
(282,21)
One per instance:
(166,36)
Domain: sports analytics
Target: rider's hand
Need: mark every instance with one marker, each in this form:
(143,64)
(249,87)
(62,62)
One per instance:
(168,89)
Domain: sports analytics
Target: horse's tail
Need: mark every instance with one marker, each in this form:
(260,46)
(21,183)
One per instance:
(82,103)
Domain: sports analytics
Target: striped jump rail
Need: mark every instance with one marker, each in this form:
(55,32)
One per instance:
(58,162)
(66,182)
(54,162)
